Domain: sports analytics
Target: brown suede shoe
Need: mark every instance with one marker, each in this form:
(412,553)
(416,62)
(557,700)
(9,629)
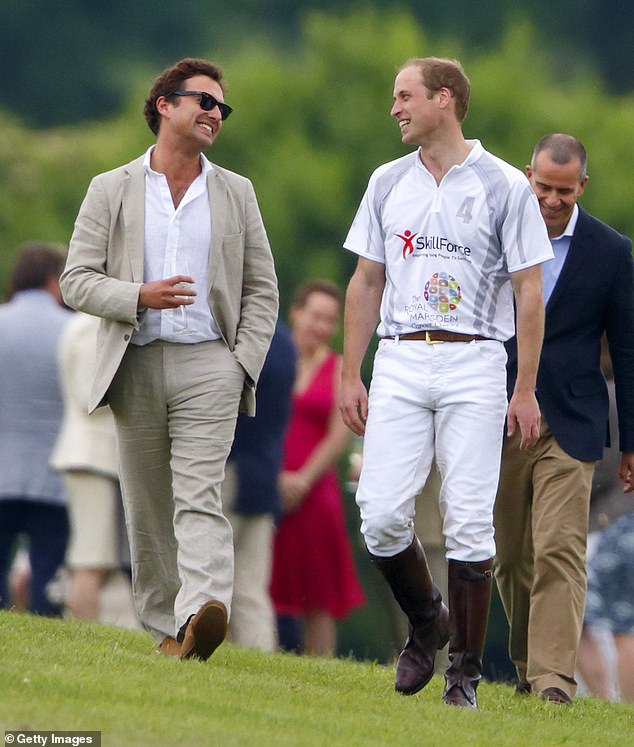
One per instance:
(555,695)
(204,631)
(169,647)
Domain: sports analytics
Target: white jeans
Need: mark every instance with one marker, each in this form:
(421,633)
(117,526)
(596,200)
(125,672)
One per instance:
(448,399)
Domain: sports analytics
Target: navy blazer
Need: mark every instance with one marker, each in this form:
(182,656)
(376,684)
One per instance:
(593,294)
(258,444)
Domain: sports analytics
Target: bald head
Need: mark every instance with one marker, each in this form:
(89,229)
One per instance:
(562,149)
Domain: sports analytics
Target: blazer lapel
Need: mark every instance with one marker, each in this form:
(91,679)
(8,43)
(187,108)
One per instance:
(580,247)
(133,210)
(218,208)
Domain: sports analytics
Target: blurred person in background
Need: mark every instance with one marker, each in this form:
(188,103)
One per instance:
(610,608)
(85,455)
(609,615)
(250,496)
(314,578)
(171,252)
(541,511)
(32,498)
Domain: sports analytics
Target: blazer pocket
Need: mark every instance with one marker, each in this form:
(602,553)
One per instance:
(586,386)
(233,251)
(230,237)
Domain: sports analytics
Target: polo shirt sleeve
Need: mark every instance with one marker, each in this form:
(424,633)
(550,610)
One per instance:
(366,236)
(523,231)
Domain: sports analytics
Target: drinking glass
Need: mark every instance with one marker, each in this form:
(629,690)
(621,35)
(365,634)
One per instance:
(180,317)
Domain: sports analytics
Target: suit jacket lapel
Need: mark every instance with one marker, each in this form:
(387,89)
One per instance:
(133,210)
(580,247)
(218,207)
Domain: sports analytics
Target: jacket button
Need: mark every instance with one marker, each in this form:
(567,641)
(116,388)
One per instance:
(126,337)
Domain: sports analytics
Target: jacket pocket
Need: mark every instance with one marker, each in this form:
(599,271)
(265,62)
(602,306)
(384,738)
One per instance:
(586,386)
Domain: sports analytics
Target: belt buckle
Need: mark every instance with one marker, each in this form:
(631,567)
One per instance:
(429,341)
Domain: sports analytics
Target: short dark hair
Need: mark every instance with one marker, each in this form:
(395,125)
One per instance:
(562,149)
(172,79)
(440,72)
(303,291)
(37,262)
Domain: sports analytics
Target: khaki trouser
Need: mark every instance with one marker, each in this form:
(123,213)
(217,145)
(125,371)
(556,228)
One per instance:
(541,523)
(175,408)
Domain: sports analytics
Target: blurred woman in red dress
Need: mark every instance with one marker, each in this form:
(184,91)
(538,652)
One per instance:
(314,577)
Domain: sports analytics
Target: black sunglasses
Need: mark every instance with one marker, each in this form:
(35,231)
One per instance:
(207,102)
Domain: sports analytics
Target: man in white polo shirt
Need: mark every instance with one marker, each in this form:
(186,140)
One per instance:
(170,251)
(446,237)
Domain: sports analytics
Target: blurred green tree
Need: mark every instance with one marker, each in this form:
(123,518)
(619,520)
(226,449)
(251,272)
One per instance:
(310,127)
(70,60)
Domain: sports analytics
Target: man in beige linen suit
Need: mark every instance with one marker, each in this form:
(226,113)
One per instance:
(170,250)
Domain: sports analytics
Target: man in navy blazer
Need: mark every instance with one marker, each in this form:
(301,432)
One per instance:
(542,505)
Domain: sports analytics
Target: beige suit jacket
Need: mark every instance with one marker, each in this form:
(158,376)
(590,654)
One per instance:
(104,270)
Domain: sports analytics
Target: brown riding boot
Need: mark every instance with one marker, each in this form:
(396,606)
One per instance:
(469,600)
(410,580)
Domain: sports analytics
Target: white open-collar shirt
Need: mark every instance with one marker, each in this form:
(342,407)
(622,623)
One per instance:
(177,242)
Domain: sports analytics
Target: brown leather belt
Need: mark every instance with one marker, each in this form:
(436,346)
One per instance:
(437,335)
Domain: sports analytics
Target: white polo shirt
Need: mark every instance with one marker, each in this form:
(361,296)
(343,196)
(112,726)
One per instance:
(449,248)
(177,242)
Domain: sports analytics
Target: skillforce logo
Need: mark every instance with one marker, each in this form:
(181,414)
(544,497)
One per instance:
(415,244)
(407,237)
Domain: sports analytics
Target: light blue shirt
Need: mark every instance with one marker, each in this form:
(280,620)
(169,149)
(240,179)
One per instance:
(560,244)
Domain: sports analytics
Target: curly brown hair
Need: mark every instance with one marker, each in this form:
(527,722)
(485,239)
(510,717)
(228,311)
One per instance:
(172,79)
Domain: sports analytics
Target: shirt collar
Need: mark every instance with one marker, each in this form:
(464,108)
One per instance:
(205,164)
(476,151)
(35,293)
(572,223)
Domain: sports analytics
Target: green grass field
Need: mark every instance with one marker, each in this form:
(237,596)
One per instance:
(68,675)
